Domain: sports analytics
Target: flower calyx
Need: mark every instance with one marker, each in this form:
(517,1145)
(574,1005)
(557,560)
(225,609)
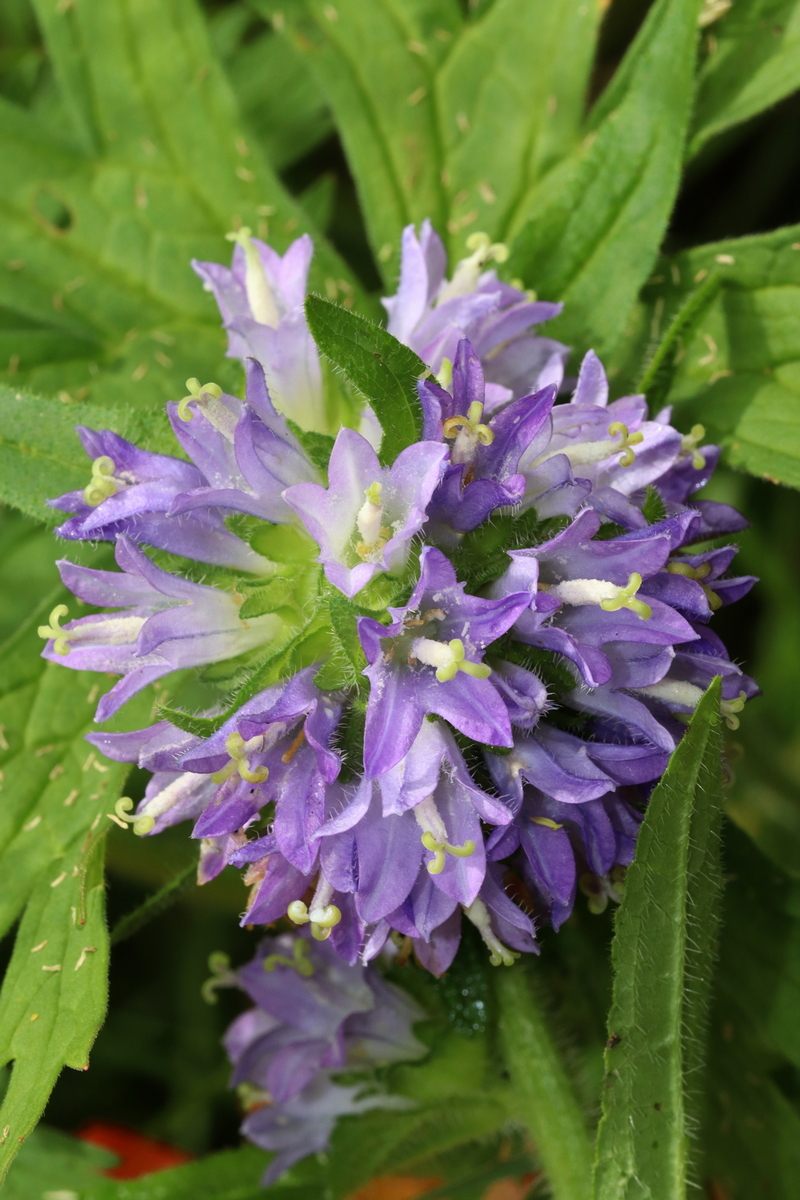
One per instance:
(239,751)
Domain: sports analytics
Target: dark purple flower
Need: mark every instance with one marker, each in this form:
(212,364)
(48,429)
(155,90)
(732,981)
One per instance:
(429,661)
(484,459)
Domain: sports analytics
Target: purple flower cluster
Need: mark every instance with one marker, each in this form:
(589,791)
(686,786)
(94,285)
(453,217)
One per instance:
(455,679)
(314,1017)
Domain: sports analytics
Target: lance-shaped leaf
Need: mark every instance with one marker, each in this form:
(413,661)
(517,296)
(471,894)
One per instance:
(382,368)
(751,61)
(503,124)
(597,220)
(739,365)
(56,988)
(663,954)
(376,63)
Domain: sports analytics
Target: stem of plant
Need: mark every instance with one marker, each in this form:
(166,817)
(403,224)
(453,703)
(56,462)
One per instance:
(543,1096)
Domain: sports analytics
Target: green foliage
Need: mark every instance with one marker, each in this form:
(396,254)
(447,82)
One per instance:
(739,368)
(544,1098)
(231,1175)
(422,139)
(55,991)
(751,1127)
(596,223)
(383,369)
(663,953)
(752,60)
(51,1163)
(101,218)
(40,454)
(657,379)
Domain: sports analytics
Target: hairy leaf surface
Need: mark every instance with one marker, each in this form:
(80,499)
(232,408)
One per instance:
(663,953)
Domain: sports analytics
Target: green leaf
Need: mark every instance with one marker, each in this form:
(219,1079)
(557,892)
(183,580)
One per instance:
(656,381)
(752,61)
(739,367)
(344,667)
(504,126)
(376,65)
(544,1098)
(381,367)
(40,454)
(53,1163)
(56,988)
(442,117)
(597,220)
(662,953)
(229,1175)
(278,96)
(54,783)
(100,301)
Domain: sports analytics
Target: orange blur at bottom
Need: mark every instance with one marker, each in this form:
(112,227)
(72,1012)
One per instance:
(138,1155)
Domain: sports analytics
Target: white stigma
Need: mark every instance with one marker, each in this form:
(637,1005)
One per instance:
(260,296)
(370,515)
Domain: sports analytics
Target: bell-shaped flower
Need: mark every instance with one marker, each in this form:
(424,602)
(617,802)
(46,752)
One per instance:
(246,451)
(418,823)
(365,520)
(612,446)
(131,492)
(432,314)
(587,593)
(484,458)
(167,623)
(261,299)
(314,1015)
(276,748)
(429,661)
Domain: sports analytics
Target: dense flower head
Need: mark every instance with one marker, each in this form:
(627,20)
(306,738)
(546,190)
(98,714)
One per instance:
(435,689)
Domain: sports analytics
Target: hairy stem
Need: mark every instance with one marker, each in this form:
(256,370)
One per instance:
(543,1095)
